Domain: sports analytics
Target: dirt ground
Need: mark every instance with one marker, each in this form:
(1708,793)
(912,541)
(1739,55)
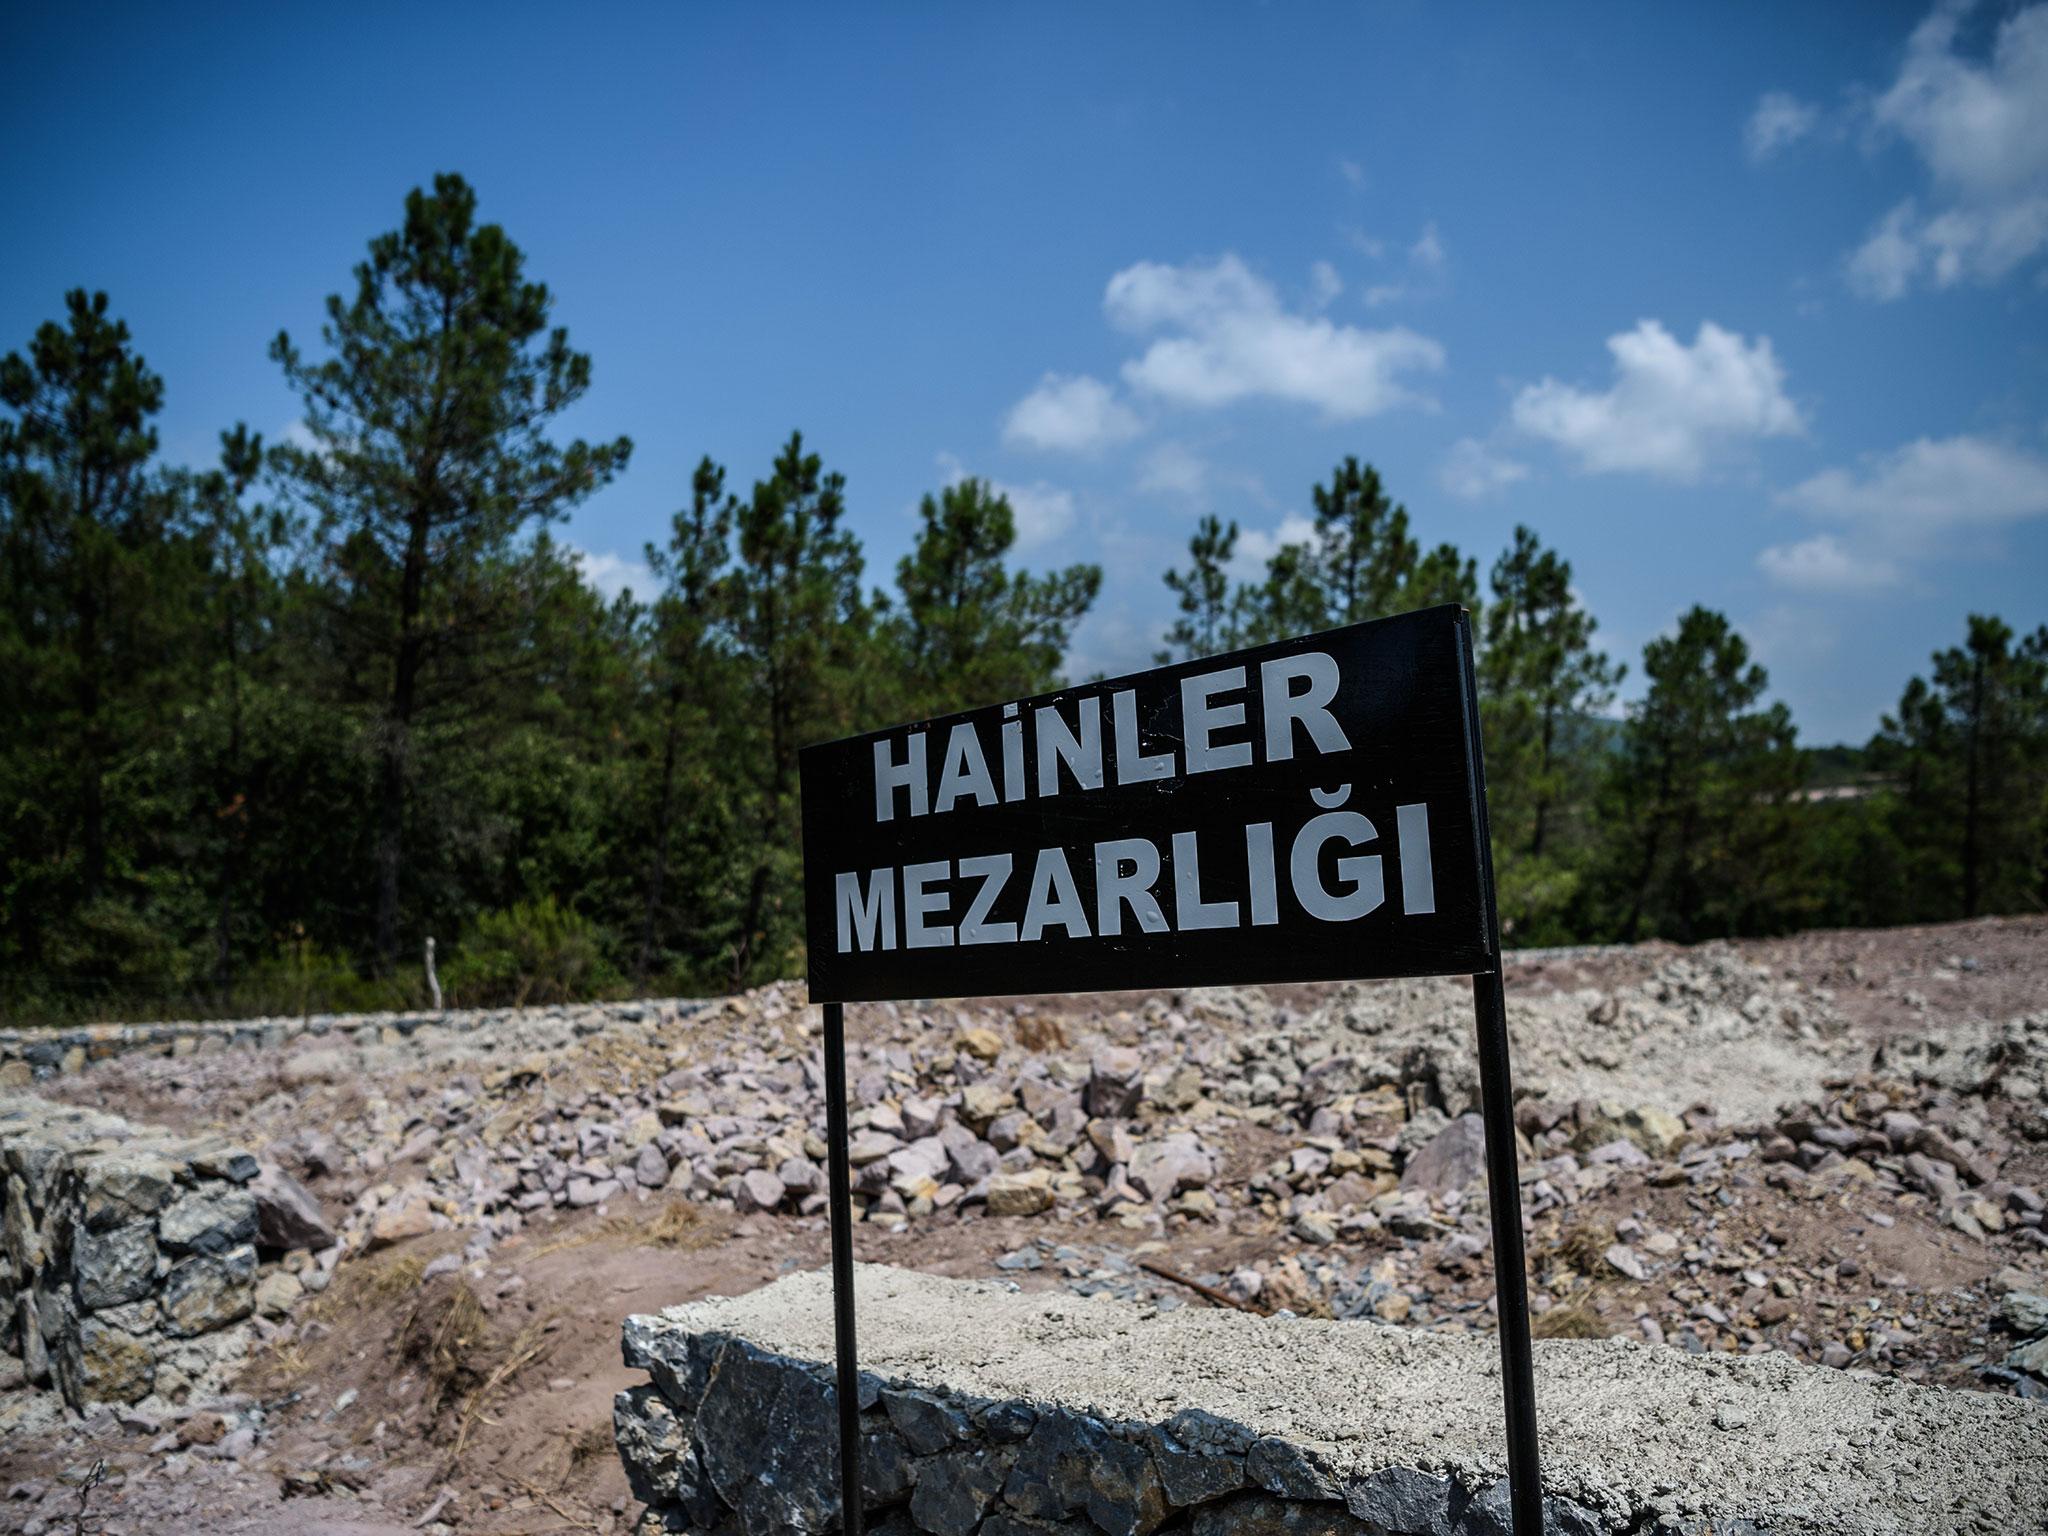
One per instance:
(483,1403)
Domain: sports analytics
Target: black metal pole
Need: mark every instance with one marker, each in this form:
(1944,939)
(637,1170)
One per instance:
(839,1201)
(1510,1286)
(1503,1175)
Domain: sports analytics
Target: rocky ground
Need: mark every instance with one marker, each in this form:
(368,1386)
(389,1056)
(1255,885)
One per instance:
(1833,1146)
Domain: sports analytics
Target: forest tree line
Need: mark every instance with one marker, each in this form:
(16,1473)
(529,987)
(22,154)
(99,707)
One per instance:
(274,721)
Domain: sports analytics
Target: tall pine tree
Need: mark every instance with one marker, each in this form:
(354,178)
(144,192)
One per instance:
(429,465)
(1969,746)
(1699,795)
(972,630)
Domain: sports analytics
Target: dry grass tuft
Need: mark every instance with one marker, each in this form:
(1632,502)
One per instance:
(1040,1032)
(1574,1319)
(448,1336)
(676,1226)
(1583,1248)
(388,1282)
(594,1444)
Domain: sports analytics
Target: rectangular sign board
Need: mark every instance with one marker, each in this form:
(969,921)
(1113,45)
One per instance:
(1303,811)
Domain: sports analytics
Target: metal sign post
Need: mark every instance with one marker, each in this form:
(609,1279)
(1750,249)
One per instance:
(1310,810)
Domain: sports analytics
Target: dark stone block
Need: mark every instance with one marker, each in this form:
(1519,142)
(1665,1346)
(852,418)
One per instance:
(928,1424)
(1072,1464)
(954,1490)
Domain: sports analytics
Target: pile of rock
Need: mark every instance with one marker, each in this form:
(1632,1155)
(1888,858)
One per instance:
(130,1259)
(28,1055)
(990,1413)
(954,1114)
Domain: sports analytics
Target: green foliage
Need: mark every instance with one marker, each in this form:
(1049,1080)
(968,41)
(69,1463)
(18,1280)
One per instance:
(971,630)
(1361,563)
(1969,747)
(277,720)
(1208,621)
(1541,685)
(535,952)
(428,461)
(1700,796)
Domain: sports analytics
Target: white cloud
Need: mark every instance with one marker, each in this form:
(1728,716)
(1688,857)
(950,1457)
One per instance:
(1428,249)
(1255,546)
(1932,499)
(1324,284)
(1779,121)
(1882,267)
(1229,339)
(1931,485)
(1174,469)
(1980,127)
(1352,171)
(1824,564)
(1671,407)
(1472,470)
(1042,512)
(1070,414)
(612,573)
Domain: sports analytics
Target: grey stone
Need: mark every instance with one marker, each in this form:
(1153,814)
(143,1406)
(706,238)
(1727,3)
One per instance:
(224,1162)
(661,1463)
(650,1168)
(759,1190)
(209,1292)
(208,1221)
(679,1363)
(1281,1467)
(127,1188)
(99,1363)
(801,1176)
(1454,1158)
(769,1443)
(1164,1167)
(971,1160)
(2025,1313)
(1116,1082)
(955,1489)
(927,1423)
(1261,1514)
(287,1215)
(1199,1456)
(1073,1464)
(114,1266)
(1402,1501)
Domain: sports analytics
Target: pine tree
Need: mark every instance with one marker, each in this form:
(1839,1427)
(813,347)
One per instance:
(1541,685)
(1208,622)
(429,465)
(241,592)
(686,663)
(1970,747)
(1701,790)
(1539,679)
(800,628)
(1359,563)
(972,631)
(96,582)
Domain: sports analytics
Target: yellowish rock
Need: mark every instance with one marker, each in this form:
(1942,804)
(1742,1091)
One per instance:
(981,1044)
(1020,1194)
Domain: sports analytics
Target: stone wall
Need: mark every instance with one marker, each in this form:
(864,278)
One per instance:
(27,1055)
(987,1412)
(130,1259)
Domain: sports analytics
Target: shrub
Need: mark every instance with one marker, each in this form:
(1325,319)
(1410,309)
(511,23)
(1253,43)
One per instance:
(536,952)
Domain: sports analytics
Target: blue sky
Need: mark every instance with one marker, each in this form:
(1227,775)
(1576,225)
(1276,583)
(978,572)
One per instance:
(1745,306)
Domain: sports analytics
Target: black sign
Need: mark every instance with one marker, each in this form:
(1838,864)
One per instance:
(1302,811)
